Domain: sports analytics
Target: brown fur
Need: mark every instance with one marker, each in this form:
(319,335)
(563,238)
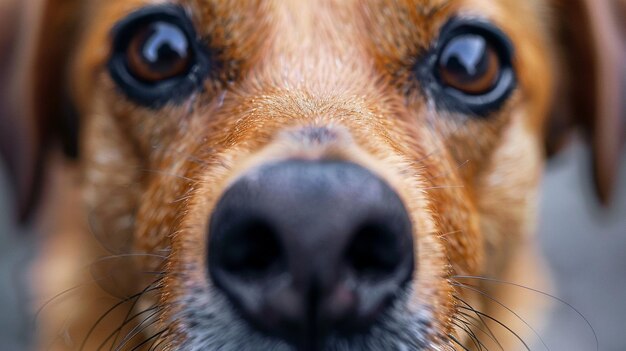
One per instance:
(147,180)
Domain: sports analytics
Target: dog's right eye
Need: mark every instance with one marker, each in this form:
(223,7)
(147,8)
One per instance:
(157,57)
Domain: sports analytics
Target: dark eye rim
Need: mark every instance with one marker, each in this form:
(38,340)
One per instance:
(450,98)
(175,89)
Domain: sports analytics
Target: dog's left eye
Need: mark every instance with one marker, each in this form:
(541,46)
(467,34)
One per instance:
(157,52)
(470,69)
(470,64)
(156,56)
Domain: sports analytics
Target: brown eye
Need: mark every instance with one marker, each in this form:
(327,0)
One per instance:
(469,63)
(157,52)
(157,57)
(469,69)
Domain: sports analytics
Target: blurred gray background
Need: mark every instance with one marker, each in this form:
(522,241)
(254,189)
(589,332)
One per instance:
(584,246)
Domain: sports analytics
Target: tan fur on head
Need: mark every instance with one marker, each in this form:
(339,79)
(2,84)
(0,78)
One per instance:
(312,80)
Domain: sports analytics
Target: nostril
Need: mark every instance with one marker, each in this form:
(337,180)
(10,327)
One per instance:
(299,256)
(252,251)
(373,253)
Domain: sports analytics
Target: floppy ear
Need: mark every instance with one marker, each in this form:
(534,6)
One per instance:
(34,113)
(591,84)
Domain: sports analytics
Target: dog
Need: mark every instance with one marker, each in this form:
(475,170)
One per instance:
(298,175)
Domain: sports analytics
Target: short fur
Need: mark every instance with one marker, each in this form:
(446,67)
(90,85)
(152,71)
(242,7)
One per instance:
(126,223)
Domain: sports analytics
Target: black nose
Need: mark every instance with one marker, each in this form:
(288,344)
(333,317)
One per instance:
(306,248)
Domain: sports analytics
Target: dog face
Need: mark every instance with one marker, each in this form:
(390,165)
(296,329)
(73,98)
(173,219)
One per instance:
(312,175)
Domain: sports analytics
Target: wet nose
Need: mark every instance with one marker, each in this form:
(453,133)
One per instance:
(304,248)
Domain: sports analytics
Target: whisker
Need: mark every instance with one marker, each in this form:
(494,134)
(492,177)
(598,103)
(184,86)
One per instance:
(110,310)
(145,342)
(137,330)
(503,326)
(468,319)
(457,342)
(465,286)
(126,319)
(482,320)
(158,342)
(57,296)
(492,280)
(70,290)
(479,345)
(61,294)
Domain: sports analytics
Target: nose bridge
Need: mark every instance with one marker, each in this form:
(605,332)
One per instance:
(316,48)
(316,71)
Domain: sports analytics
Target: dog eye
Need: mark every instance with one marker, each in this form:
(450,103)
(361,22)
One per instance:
(470,68)
(470,64)
(156,56)
(157,52)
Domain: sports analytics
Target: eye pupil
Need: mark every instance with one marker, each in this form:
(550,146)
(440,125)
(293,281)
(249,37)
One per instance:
(159,51)
(465,56)
(469,64)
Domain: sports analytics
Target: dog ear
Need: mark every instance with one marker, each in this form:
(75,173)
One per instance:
(591,86)
(34,112)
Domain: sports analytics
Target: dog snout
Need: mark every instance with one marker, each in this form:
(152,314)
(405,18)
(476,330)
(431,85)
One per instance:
(304,248)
